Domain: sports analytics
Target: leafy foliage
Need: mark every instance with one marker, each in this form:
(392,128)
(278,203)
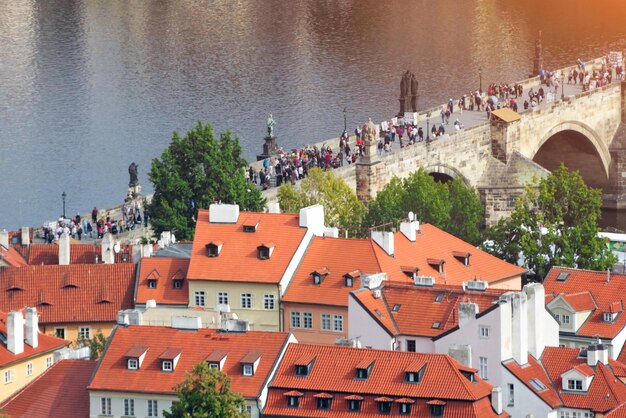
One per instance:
(342,208)
(206,393)
(96,344)
(194,171)
(451,206)
(555,222)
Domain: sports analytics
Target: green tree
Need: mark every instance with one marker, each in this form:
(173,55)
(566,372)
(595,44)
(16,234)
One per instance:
(342,208)
(206,393)
(96,344)
(194,171)
(452,206)
(555,222)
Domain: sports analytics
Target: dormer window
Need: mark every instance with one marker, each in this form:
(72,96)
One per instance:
(217,359)
(169,359)
(354,402)
(574,384)
(251,225)
(609,316)
(410,271)
(152,284)
(293,398)
(135,356)
(248,370)
(364,369)
(249,364)
(167,366)
(133,364)
(214,365)
(319,275)
(414,372)
(213,248)
(384,404)
(323,400)
(404,405)
(436,263)
(436,407)
(265,250)
(468,375)
(178,284)
(463,257)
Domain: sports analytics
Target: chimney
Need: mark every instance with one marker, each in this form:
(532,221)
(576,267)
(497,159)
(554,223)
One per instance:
(312,217)
(108,252)
(223,214)
(25,235)
(15,332)
(496,399)
(4,238)
(409,228)
(517,314)
(187,322)
(331,232)
(273,207)
(592,355)
(384,240)
(602,351)
(64,250)
(467,312)
(461,353)
(32,327)
(536,296)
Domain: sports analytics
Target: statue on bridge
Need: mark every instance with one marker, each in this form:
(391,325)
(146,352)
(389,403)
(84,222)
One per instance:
(270,126)
(132,171)
(408,93)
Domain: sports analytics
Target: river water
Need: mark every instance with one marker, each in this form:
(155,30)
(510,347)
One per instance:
(87,87)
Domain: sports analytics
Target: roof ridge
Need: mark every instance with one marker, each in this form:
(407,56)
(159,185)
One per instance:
(465,382)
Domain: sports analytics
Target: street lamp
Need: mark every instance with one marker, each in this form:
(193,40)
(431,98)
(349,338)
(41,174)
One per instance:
(63,196)
(427,127)
(345,121)
(480,78)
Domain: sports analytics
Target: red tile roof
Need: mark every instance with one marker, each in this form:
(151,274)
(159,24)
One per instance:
(12,257)
(582,301)
(46,344)
(436,244)
(238,260)
(334,372)
(195,346)
(340,256)
(605,393)
(534,370)
(164,271)
(605,293)
(79,254)
(72,293)
(59,392)
(420,308)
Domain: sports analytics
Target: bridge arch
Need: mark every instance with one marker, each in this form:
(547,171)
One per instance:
(444,173)
(593,139)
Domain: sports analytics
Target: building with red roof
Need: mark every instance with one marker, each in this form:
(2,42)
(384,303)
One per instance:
(60,391)
(334,381)
(163,280)
(588,305)
(74,301)
(244,262)
(141,365)
(25,353)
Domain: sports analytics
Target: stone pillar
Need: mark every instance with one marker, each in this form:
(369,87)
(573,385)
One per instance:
(25,235)
(369,169)
(270,148)
(64,249)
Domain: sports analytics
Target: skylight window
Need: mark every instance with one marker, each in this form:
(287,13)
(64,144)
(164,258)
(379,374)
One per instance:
(439,298)
(436,325)
(562,277)
(537,384)
(396,307)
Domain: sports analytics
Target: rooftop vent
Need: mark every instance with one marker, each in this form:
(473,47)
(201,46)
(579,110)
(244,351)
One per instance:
(428,281)
(478,285)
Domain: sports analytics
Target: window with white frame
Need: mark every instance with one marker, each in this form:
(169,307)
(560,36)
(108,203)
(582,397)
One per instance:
(325,322)
(511,388)
(133,364)
(558,318)
(48,362)
(153,408)
(84,333)
(248,370)
(167,366)
(564,414)
(222,298)
(129,407)
(483,367)
(29,369)
(199,297)
(105,406)
(268,302)
(608,317)
(338,323)
(577,414)
(295,319)
(246,300)
(574,384)
(307,320)
(565,319)
(7,377)
(483,331)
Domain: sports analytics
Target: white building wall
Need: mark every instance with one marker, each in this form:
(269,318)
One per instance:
(489,347)
(617,344)
(526,402)
(364,328)
(422,344)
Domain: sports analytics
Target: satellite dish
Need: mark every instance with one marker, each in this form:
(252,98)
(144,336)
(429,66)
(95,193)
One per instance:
(117,247)
(411,216)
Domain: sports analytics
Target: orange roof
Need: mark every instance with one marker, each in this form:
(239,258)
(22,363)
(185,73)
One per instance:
(533,370)
(582,301)
(165,271)
(238,260)
(12,257)
(433,245)
(340,256)
(79,254)
(59,392)
(334,373)
(46,344)
(414,310)
(605,393)
(604,292)
(72,293)
(195,346)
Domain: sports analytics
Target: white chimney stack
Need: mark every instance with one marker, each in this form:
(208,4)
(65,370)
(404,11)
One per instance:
(461,353)
(4,238)
(64,249)
(32,327)
(592,355)
(496,399)
(536,296)
(108,251)
(223,214)
(15,332)
(384,240)
(409,228)
(273,207)
(467,312)
(312,217)
(25,235)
